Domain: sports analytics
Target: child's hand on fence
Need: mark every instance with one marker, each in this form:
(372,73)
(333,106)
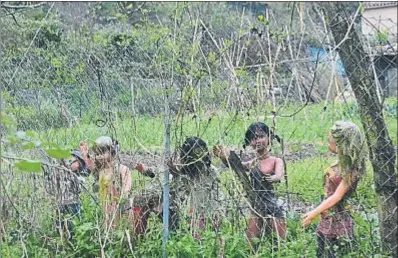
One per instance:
(84,148)
(86,156)
(139,167)
(219,151)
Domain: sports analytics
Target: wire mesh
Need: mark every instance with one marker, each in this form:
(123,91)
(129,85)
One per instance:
(73,72)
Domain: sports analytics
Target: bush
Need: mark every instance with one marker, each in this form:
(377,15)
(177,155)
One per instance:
(42,119)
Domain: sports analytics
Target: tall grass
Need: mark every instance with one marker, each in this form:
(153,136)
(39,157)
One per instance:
(311,125)
(305,175)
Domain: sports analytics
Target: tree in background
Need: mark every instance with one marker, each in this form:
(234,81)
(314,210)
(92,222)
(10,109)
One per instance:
(382,153)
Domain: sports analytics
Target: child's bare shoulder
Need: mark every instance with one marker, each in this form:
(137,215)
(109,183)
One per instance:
(275,159)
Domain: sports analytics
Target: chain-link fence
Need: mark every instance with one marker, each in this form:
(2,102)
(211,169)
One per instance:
(178,87)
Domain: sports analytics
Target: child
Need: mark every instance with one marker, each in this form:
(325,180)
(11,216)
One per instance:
(66,186)
(265,170)
(195,182)
(114,180)
(340,181)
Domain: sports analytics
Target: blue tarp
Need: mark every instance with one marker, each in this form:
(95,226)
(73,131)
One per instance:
(323,57)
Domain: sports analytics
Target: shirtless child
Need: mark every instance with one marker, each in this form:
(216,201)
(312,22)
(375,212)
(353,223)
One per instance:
(265,170)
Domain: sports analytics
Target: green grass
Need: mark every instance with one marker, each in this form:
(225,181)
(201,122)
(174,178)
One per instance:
(305,179)
(311,125)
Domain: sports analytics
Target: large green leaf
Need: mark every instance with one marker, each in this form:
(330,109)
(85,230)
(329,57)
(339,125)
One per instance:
(58,153)
(29,165)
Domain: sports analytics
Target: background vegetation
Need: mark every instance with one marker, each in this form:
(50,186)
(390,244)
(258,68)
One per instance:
(73,71)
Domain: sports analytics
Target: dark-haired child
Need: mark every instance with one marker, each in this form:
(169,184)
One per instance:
(265,170)
(195,185)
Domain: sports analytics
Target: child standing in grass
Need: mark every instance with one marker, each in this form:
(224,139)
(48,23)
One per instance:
(265,170)
(65,185)
(340,181)
(195,183)
(114,180)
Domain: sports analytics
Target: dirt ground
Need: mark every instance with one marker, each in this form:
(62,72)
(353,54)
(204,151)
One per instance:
(154,159)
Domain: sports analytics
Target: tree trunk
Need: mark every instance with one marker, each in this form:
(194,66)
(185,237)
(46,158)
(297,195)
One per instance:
(357,65)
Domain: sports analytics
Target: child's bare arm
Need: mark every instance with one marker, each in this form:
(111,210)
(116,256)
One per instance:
(219,151)
(86,157)
(328,203)
(248,164)
(127,181)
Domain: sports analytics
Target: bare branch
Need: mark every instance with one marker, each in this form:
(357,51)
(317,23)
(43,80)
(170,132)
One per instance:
(13,17)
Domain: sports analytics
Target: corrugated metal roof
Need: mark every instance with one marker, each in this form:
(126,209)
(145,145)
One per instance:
(375,5)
